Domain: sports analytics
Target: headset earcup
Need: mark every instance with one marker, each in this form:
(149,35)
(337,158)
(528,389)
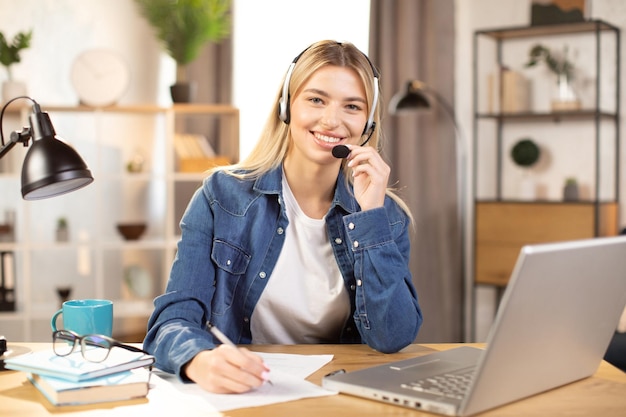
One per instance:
(283,110)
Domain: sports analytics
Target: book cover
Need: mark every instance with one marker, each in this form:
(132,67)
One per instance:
(74,367)
(117,387)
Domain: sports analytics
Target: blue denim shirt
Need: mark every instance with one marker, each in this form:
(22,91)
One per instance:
(232,233)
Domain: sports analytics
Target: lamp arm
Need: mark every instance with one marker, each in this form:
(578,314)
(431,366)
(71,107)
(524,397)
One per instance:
(23,136)
(16,137)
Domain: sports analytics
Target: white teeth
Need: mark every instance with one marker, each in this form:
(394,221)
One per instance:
(327,139)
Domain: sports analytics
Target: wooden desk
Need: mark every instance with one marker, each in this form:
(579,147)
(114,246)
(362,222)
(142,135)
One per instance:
(604,394)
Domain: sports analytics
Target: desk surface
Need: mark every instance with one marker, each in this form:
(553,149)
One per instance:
(604,394)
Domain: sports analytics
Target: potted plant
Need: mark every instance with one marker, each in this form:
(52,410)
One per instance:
(525,153)
(184,27)
(570,189)
(563,68)
(9,55)
(62,232)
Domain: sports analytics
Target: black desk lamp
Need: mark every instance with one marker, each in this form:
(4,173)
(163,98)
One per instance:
(415,97)
(51,167)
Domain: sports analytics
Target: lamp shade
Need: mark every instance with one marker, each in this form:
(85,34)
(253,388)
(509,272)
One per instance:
(51,167)
(411,98)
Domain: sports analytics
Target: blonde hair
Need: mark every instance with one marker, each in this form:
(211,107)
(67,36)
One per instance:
(273,144)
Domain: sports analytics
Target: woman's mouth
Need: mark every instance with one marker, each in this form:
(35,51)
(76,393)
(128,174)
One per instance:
(330,140)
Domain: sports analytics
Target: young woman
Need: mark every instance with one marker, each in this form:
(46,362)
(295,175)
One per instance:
(293,245)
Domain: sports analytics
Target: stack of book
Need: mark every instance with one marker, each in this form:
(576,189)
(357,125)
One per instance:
(195,154)
(71,380)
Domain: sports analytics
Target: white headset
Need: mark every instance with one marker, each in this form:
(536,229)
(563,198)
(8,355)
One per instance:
(283,103)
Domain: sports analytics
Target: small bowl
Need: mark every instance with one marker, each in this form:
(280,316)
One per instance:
(131,231)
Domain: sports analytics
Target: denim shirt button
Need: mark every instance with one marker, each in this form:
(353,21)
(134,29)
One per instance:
(353,287)
(262,274)
(246,319)
(356,244)
(228,262)
(338,240)
(351,226)
(359,282)
(280,230)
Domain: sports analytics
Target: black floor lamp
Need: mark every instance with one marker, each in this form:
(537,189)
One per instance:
(415,97)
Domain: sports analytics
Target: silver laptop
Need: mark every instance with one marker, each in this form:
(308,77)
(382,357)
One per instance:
(554,324)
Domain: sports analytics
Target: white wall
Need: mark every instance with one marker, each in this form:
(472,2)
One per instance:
(64,28)
(269,34)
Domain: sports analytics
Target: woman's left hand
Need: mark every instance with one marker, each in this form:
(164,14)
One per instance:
(371,175)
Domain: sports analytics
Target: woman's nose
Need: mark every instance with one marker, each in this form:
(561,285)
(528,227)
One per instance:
(330,116)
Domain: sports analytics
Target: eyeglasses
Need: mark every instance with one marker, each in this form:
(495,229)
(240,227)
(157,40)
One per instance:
(93,347)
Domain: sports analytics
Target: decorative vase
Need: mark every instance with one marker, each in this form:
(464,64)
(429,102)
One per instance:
(565,97)
(62,232)
(12,89)
(570,191)
(64,292)
(183,92)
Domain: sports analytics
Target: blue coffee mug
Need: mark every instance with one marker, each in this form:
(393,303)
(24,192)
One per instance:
(90,316)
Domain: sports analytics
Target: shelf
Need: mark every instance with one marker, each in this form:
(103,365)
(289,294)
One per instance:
(107,137)
(547,202)
(503,223)
(195,108)
(547,116)
(547,30)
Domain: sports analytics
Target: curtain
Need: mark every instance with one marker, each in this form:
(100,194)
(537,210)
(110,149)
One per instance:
(414,39)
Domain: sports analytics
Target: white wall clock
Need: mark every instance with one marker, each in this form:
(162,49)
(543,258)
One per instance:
(100,77)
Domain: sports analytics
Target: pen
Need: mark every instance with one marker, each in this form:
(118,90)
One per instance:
(220,336)
(226,341)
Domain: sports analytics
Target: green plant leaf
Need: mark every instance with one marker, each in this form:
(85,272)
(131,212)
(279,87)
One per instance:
(10,52)
(525,153)
(184,26)
(557,64)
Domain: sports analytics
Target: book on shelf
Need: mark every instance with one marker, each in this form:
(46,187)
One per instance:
(192,146)
(515,92)
(74,367)
(121,386)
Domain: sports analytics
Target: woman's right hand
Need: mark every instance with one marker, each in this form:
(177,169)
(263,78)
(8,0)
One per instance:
(227,370)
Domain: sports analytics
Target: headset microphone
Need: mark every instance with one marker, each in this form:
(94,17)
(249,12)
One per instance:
(342,151)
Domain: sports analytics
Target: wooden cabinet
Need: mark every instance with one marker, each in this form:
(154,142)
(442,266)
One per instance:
(502,228)
(583,142)
(96,262)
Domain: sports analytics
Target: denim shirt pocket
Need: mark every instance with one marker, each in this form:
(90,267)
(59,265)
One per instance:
(231,264)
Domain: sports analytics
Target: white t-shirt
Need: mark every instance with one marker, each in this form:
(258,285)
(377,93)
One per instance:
(305,300)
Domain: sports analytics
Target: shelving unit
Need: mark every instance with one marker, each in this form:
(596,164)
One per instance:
(503,222)
(96,261)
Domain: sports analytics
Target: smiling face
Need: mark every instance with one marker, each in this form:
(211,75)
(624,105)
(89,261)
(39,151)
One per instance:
(329,109)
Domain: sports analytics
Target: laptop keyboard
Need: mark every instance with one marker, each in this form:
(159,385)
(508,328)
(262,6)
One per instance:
(446,385)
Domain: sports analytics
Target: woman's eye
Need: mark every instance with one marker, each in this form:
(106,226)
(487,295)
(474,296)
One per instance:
(315,100)
(354,107)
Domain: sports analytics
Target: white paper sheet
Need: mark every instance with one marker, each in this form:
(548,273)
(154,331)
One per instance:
(287,376)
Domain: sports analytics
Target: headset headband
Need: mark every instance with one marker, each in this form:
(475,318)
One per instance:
(283,103)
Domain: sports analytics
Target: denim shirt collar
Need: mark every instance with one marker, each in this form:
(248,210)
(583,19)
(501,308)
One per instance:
(271,183)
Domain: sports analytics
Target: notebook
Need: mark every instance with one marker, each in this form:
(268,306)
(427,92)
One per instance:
(74,367)
(553,326)
(120,386)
